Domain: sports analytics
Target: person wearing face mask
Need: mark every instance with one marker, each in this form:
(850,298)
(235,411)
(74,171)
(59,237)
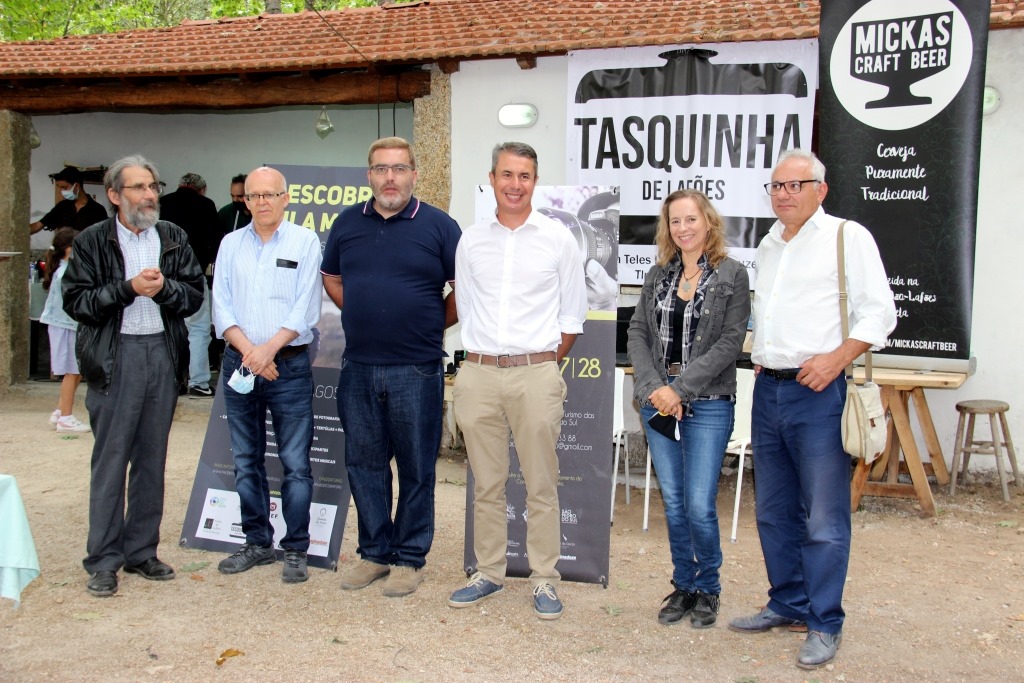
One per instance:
(235,215)
(130,283)
(76,210)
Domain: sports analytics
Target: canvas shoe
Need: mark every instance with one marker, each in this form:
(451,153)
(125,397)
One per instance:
(71,424)
(54,416)
(476,590)
(546,604)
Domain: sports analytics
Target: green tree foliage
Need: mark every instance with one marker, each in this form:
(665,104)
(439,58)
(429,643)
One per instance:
(47,19)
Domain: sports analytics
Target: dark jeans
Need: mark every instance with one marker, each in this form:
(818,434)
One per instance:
(688,472)
(130,423)
(392,411)
(290,401)
(802,486)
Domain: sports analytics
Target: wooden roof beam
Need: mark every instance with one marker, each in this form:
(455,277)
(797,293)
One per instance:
(347,88)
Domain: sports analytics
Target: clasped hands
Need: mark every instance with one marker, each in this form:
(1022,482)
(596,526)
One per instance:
(666,401)
(148,282)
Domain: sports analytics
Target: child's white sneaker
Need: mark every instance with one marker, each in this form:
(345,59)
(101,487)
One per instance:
(70,423)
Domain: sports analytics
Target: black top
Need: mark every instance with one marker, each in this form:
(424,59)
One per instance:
(65,215)
(197,216)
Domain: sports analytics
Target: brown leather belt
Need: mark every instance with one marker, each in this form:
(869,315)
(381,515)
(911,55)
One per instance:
(284,354)
(507,361)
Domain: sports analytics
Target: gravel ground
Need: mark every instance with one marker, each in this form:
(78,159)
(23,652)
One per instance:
(936,599)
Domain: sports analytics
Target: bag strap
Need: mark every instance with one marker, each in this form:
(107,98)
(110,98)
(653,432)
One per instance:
(843,296)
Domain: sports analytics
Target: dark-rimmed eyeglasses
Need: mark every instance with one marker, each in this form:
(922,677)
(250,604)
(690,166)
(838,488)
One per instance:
(397,169)
(792,186)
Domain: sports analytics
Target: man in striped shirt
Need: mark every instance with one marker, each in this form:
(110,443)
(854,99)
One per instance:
(266,301)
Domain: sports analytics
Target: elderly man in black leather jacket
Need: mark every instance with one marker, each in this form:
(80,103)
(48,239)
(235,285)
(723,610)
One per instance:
(130,282)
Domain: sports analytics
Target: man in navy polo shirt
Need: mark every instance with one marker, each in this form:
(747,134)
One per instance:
(385,265)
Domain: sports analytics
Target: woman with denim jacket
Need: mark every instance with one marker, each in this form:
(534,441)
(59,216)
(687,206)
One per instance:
(684,339)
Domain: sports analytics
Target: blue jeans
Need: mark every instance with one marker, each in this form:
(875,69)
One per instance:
(802,486)
(392,411)
(290,401)
(688,472)
(199,338)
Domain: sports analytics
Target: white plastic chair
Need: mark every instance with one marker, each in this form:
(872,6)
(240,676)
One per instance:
(619,436)
(739,442)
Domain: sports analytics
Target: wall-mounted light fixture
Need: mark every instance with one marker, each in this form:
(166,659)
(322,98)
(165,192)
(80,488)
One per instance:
(517,115)
(991,100)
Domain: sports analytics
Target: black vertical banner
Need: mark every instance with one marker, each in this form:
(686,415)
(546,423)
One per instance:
(900,135)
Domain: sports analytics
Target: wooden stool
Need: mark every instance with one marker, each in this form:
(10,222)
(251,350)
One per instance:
(968,409)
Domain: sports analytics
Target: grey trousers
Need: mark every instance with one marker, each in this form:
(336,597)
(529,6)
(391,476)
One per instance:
(131,423)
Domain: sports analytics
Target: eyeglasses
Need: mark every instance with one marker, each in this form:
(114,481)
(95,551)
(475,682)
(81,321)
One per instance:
(157,188)
(397,169)
(266,196)
(792,186)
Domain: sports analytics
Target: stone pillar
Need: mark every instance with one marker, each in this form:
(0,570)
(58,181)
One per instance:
(432,139)
(15,156)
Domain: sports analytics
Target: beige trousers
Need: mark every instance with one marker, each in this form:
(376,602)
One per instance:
(528,400)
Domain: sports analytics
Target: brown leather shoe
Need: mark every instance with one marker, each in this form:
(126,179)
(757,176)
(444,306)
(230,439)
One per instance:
(362,574)
(403,580)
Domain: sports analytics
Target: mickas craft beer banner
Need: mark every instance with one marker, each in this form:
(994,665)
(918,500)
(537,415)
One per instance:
(713,117)
(900,136)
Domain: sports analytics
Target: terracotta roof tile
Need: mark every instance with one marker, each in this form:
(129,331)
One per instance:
(416,34)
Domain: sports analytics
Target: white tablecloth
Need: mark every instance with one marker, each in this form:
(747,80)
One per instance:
(19,564)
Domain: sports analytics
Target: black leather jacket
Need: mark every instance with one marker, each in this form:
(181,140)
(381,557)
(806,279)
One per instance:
(96,294)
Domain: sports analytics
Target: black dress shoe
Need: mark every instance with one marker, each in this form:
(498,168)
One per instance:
(102,584)
(152,569)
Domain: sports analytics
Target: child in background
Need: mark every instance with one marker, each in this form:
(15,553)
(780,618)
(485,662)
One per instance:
(63,330)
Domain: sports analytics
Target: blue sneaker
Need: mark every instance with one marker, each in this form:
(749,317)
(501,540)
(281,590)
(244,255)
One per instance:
(546,603)
(476,590)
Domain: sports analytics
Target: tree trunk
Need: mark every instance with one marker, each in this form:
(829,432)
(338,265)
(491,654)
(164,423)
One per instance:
(273,6)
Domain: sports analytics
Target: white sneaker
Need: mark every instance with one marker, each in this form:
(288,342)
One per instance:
(70,423)
(54,416)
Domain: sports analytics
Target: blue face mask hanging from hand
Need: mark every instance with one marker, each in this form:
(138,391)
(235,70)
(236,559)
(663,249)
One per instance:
(240,382)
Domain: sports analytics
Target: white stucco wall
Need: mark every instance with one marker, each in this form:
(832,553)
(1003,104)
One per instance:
(220,145)
(480,88)
(214,145)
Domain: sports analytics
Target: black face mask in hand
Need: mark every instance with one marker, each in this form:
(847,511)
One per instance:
(666,425)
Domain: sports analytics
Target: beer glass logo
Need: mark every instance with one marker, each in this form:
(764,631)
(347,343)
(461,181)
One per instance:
(896,66)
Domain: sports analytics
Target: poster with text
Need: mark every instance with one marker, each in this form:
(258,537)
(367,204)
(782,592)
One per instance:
(713,117)
(213,518)
(900,136)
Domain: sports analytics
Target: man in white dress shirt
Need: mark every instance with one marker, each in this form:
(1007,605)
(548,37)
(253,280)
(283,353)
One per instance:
(799,354)
(521,302)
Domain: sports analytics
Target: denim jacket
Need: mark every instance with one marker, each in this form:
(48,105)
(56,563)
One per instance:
(717,343)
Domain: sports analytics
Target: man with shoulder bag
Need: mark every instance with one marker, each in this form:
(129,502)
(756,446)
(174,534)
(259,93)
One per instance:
(800,351)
